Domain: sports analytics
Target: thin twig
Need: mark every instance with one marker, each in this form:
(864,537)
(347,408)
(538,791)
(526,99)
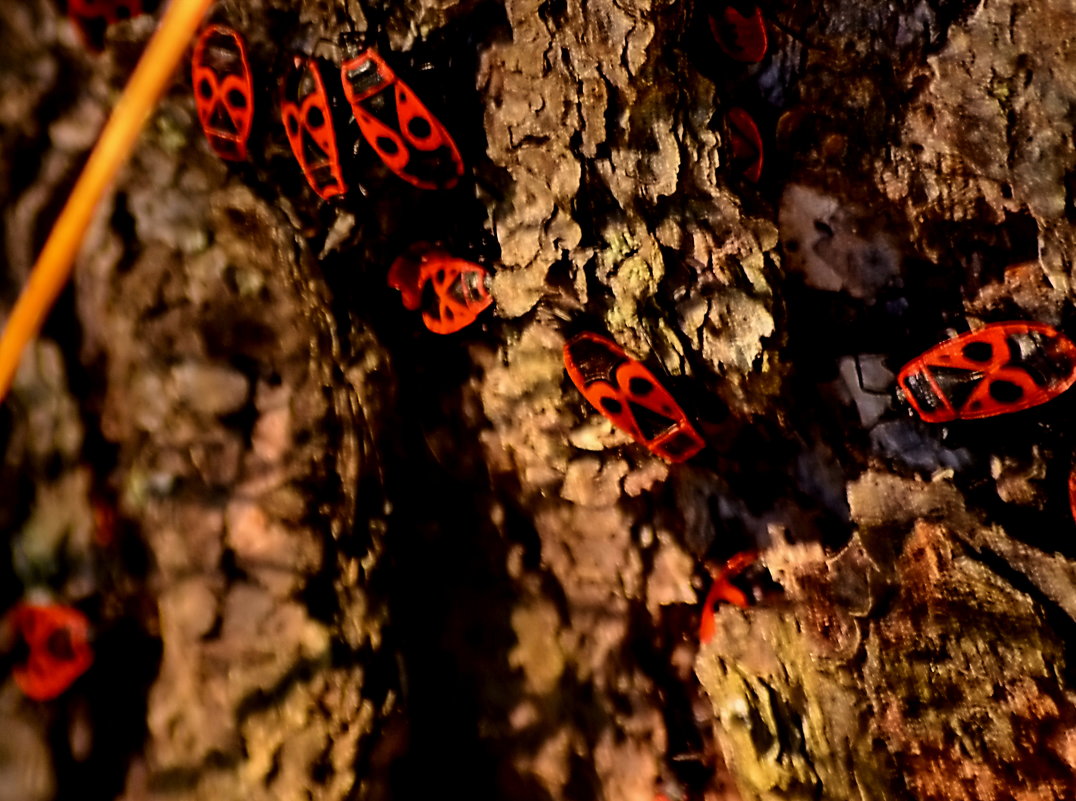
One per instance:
(113,148)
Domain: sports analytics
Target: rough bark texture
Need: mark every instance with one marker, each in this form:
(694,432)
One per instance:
(357,560)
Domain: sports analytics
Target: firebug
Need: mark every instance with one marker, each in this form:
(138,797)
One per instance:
(742,37)
(406,136)
(627,393)
(745,144)
(58,651)
(450,291)
(306,109)
(1072,492)
(1001,368)
(223,90)
(724,590)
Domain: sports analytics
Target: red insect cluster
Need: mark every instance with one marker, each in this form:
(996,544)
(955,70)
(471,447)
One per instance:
(626,393)
(400,129)
(57,642)
(743,38)
(451,292)
(1001,368)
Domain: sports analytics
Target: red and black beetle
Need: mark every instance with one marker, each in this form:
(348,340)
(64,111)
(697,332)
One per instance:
(223,90)
(307,112)
(623,390)
(1001,368)
(745,144)
(409,139)
(741,37)
(724,590)
(1072,492)
(92,17)
(450,291)
(58,651)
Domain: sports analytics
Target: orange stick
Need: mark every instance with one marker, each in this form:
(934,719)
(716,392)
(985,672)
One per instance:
(113,148)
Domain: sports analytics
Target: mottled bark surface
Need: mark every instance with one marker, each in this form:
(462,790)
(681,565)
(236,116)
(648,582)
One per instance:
(353,559)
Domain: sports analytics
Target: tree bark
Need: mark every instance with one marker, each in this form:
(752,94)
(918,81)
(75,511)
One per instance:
(354,559)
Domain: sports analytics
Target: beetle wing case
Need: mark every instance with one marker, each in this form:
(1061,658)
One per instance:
(629,396)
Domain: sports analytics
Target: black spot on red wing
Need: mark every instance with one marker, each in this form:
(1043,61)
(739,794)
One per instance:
(594,360)
(612,405)
(387,145)
(315,118)
(978,351)
(640,386)
(292,124)
(1005,391)
(205,89)
(1040,358)
(419,127)
(955,383)
(650,423)
(237,99)
(122,12)
(59,645)
(431,304)
(94,30)
(729,35)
